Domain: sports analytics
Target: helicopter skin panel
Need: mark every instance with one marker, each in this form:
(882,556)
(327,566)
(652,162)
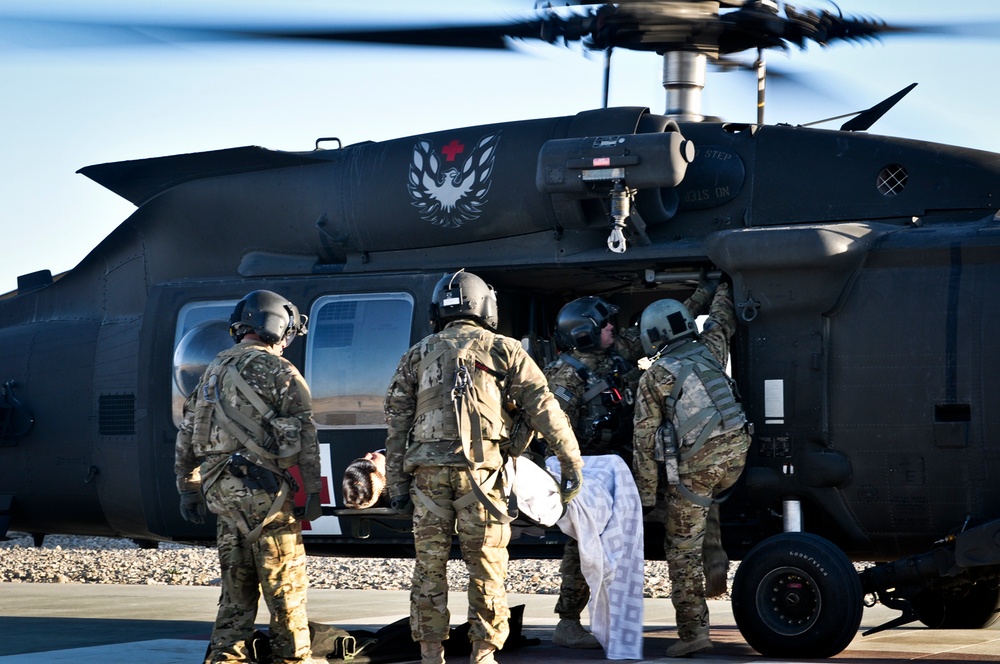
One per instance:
(840,177)
(140,180)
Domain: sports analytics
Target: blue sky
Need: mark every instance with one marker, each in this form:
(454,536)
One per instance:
(66,105)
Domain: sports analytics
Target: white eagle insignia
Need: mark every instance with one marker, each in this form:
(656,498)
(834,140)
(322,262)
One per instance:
(446,195)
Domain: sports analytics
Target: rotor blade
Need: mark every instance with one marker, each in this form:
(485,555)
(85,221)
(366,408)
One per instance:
(100,30)
(68,34)
(650,25)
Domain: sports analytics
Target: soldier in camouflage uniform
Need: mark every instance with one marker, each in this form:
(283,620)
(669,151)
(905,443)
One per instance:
(706,426)
(594,380)
(247,422)
(446,424)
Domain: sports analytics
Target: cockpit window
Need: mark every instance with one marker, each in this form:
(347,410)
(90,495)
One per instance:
(352,350)
(202,332)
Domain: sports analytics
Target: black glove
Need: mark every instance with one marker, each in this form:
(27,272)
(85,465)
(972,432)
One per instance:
(193,506)
(314,508)
(569,485)
(402,504)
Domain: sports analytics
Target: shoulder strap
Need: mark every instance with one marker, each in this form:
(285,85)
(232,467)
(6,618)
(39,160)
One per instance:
(466,399)
(594,386)
(581,368)
(238,424)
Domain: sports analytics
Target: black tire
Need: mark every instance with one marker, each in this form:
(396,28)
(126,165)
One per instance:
(973,607)
(797,595)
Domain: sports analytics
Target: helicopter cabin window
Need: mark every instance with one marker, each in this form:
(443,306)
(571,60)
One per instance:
(352,350)
(202,332)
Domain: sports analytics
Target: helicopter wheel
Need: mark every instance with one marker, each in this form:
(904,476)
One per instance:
(975,607)
(797,595)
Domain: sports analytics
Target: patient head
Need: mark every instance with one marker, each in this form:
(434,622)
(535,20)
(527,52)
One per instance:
(364,481)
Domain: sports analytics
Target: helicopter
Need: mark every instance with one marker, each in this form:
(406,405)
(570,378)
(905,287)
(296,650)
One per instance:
(861,266)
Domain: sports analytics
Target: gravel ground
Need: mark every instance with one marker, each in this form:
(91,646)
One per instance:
(63,559)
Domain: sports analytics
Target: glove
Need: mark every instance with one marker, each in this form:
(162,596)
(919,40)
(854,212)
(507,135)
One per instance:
(706,283)
(193,506)
(402,504)
(314,508)
(569,485)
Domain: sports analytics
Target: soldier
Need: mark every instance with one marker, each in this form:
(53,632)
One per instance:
(446,424)
(688,420)
(595,385)
(249,421)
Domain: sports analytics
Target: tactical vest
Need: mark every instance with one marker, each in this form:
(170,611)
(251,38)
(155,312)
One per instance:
(460,393)
(460,396)
(223,428)
(255,453)
(702,403)
(603,412)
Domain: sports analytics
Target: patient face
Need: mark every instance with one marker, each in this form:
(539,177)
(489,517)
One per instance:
(378,459)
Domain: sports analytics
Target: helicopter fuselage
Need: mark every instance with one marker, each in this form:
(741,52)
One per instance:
(862,268)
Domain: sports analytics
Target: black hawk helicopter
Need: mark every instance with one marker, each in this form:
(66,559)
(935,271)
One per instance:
(862,266)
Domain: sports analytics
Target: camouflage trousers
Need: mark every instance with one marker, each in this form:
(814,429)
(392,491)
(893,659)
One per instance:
(483,543)
(715,469)
(274,565)
(574,593)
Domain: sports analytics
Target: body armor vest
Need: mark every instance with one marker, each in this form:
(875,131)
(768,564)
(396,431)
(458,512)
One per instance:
(224,425)
(604,412)
(214,384)
(703,402)
(459,379)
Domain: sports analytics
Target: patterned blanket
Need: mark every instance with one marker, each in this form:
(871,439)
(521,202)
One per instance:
(606,519)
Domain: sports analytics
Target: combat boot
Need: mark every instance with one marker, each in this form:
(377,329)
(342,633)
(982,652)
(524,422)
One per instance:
(684,648)
(431,652)
(571,634)
(482,653)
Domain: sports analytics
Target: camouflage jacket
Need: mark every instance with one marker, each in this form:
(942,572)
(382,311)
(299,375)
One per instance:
(656,384)
(280,386)
(429,438)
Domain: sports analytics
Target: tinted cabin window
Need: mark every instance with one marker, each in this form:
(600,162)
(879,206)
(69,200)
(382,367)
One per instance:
(352,350)
(202,333)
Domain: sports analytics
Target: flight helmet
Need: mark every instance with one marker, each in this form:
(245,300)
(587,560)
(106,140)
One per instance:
(579,323)
(463,295)
(663,322)
(268,315)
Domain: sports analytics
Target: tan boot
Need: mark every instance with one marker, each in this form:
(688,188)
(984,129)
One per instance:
(571,634)
(482,653)
(684,648)
(431,652)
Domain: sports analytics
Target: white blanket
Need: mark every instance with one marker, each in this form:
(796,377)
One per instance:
(606,519)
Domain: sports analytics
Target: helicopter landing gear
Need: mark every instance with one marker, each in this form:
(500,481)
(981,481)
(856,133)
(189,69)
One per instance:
(797,595)
(972,607)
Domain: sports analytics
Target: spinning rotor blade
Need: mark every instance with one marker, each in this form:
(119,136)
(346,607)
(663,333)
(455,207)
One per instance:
(715,28)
